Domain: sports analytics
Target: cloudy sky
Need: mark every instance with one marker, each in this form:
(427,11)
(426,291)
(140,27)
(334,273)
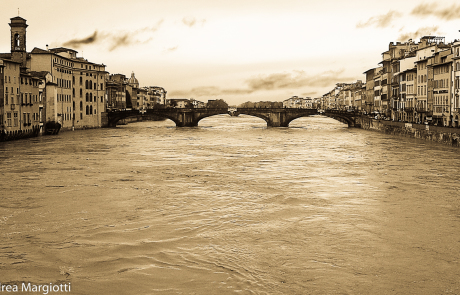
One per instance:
(239,50)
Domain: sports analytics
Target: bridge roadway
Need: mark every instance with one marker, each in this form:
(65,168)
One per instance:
(275,117)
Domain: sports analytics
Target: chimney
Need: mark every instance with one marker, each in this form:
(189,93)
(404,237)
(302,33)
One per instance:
(47,47)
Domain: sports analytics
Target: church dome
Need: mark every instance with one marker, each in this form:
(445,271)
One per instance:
(133,81)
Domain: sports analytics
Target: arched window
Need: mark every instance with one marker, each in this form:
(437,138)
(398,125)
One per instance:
(91,97)
(87,110)
(86,84)
(81,105)
(17,41)
(87,97)
(90,110)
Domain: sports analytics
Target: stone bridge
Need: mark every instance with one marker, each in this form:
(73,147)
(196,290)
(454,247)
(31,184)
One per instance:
(182,117)
(275,117)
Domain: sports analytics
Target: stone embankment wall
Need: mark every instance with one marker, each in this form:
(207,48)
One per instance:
(444,135)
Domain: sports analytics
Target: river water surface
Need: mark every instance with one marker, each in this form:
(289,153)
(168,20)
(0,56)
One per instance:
(231,207)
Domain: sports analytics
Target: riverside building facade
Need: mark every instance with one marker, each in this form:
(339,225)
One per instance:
(47,86)
(416,82)
(55,87)
(19,89)
(79,94)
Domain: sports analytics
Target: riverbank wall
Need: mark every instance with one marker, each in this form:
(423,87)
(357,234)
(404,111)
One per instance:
(443,135)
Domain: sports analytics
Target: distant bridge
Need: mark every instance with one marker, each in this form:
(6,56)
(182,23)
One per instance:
(275,117)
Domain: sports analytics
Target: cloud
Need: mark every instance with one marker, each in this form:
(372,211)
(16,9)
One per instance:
(191,21)
(275,81)
(380,21)
(309,94)
(420,33)
(122,40)
(114,39)
(171,49)
(297,80)
(78,42)
(448,13)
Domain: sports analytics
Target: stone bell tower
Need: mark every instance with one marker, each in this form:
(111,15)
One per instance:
(18,40)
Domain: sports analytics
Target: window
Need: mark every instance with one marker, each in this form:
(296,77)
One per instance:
(15,119)
(8,120)
(17,41)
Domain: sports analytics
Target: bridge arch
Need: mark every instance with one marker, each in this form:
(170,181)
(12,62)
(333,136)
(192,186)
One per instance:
(115,117)
(165,116)
(344,117)
(207,115)
(292,118)
(257,115)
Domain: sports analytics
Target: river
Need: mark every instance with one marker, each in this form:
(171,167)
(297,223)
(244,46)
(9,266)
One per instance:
(231,207)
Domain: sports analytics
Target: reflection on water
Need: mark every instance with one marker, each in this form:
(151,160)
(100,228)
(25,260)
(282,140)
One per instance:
(231,207)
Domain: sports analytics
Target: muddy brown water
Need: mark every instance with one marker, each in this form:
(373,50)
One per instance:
(231,207)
